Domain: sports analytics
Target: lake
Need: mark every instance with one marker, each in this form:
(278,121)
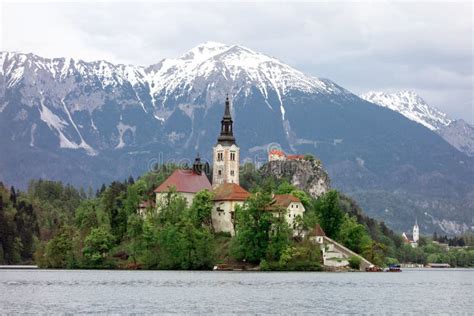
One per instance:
(89,291)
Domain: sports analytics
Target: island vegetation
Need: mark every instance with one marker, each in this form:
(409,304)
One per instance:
(55,225)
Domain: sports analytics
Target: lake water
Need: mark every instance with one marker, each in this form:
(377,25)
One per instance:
(412,291)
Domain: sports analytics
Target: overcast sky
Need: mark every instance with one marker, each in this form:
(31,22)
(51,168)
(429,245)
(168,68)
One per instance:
(423,46)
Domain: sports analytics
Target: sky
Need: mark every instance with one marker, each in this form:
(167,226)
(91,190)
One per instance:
(424,46)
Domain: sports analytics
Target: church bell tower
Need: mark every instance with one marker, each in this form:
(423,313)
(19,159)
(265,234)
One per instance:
(226,153)
(416,232)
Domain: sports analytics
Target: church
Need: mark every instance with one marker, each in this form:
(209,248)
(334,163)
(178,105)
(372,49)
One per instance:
(227,193)
(412,239)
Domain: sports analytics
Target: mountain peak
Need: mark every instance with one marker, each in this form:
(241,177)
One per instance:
(411,105)
(204,51)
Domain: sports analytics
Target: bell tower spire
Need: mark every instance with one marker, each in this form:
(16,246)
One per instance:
(227,134)
(226,152)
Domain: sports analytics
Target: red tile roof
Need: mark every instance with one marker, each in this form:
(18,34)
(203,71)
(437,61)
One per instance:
(283,200)
(317,231)
(185,181)
(230,192)
(295,157)
(277,152)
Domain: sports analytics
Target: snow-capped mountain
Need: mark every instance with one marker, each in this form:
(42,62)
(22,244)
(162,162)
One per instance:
(410,105)
(86,86)
(92,122)
(458,133)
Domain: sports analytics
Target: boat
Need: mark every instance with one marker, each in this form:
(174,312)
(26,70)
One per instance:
(373,268)
(394,268)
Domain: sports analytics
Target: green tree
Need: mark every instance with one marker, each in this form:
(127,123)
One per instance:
(354,262)
(353,235)
(97,246)
(259,234)
(201,209)
(285,188)
(59,250)
(300,257)
(329,213)
(135,235)
(375,253)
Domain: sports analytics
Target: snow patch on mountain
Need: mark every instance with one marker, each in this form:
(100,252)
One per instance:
(410,105)
(52,120)
(122,128)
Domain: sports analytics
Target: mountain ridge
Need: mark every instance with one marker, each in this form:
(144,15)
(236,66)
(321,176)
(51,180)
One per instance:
(458,133)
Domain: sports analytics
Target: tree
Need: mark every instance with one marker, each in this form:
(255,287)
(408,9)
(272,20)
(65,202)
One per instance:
(300,257)
(353,235)
(329,213)
(59,250)
(135,235)
(89,215)
(354,262)
(375,253)
(97,246)
(27,228)
(285,188)
(13,196)
(201,209)
(112,202)
(258,234)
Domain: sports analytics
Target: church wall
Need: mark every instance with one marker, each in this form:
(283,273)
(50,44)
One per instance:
(222,220)
(229,169)
(160,197)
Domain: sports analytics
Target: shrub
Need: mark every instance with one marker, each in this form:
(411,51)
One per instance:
(354,262)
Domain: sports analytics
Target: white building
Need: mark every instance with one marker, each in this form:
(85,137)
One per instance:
(291,205)
(226,197)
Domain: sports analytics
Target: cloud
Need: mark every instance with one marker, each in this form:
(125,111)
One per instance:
(422,46)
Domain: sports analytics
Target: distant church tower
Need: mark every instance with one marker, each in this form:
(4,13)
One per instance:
(416,232)
(226,153)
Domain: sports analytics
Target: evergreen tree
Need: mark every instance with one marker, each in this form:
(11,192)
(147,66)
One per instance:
(329,213)
(13,196)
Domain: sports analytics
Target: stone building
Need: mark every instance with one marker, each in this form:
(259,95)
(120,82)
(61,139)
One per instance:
(185,182)
(279,155)
(290,204)
(226,197)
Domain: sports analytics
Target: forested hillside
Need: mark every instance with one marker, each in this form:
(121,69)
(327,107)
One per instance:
(58,226)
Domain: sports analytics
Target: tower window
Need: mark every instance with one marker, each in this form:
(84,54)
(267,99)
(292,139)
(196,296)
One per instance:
(232,172)
(220,156)
(232,156)
(219,172)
